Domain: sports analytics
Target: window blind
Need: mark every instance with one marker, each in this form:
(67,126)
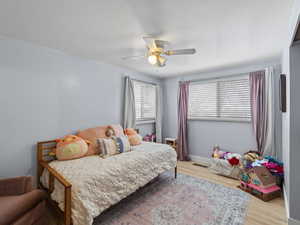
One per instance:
(221,99)
(145,100)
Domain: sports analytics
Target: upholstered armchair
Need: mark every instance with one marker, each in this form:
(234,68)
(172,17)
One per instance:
(20,204)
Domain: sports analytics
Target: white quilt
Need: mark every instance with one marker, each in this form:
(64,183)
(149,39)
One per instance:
(100,183)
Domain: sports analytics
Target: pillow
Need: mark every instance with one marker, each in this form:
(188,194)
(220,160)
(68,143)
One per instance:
(108,147)
(92,134)
(135,139)
(130,131)
(70,147)
(122,143)
(118,130)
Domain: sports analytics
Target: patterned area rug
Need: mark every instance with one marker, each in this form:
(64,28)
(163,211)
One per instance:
(182,201)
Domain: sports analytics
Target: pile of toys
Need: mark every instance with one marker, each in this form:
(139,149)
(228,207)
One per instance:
(233,158)
(261,176)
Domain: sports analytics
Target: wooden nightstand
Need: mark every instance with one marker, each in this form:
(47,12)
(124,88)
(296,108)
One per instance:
(172,142)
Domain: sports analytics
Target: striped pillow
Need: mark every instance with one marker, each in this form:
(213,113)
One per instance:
(122,143)
(107,147)
(113,146)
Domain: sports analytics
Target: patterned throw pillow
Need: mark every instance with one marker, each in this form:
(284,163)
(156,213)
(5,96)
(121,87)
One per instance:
(122,143)
(107,147)
(113,146)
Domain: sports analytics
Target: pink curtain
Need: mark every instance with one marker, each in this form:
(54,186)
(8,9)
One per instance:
(182,139)
(259,108)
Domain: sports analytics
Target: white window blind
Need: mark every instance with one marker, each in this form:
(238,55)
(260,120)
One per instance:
(223,99)
(145,100)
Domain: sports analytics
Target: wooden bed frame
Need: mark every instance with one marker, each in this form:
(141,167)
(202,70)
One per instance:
(43,160)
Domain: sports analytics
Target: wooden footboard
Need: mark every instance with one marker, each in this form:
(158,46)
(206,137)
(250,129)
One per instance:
(43,159)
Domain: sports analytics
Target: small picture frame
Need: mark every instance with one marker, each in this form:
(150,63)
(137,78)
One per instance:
(282,93)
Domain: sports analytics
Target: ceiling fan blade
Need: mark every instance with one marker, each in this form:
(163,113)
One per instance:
(161,43)
(188,51)
(133,57)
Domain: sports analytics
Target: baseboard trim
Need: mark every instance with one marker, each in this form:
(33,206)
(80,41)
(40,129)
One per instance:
(293,222)
(286,203)
(200,159)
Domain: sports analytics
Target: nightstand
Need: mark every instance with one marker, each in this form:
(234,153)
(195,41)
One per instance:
(172,142)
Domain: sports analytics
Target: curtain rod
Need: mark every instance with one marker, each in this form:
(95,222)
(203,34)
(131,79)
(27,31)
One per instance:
(148,82)
(220,77)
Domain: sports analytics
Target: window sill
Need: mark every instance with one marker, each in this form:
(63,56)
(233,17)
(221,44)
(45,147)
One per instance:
(141,122)
(235,120)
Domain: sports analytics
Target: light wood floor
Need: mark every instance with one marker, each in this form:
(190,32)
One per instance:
(258,212)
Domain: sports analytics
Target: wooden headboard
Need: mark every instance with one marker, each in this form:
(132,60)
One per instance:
(43,150)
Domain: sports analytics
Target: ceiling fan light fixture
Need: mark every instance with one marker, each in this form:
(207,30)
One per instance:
(152,59)
(162,61)
(157,52)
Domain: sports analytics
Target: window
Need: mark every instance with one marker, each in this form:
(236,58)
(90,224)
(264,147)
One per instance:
(145,100)
(221,99)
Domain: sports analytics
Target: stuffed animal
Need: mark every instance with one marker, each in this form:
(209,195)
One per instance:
(217,153)
(233,158)
(70,147)
(110,132)
(252,156)
(133,137)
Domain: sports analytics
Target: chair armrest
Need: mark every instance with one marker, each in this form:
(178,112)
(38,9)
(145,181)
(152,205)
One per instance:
(13,207)
(15,186)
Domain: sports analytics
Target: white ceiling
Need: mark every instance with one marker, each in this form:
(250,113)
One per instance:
(224,32)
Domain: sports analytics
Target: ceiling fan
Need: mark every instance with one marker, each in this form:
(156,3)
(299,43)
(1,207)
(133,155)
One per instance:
(156,52)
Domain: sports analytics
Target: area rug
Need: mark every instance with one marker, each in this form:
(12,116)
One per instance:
(183,201)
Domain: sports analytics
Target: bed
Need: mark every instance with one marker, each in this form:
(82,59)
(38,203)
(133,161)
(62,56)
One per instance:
(82,189)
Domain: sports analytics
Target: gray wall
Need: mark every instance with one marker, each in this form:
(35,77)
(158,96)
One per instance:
(291,130)
(291,119)
(294,132)
(45,94)
(203,135)
(286,124)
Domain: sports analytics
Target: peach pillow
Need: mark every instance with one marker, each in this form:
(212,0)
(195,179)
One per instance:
(92,134)
(133,137)
(130,131)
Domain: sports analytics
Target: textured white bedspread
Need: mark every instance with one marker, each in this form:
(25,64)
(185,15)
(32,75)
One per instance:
(100,183)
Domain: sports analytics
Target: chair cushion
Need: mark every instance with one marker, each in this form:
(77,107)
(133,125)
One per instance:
(13,207)
(35,216)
